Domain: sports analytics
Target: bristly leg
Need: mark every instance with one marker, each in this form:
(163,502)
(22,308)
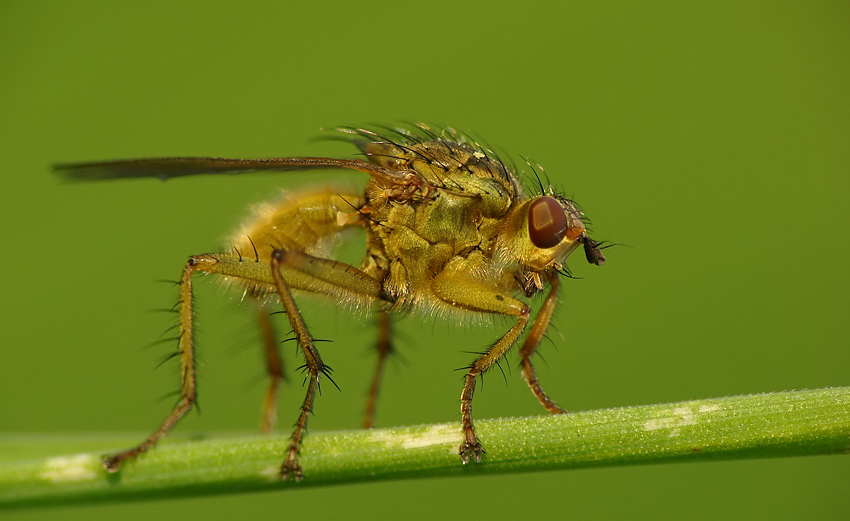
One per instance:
(188,390)
(471,448)
(463,291)
(313,364)
(538,330)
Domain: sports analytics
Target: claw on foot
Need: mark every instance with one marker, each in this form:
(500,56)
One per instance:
(471,449)
(291,470)
(111,464)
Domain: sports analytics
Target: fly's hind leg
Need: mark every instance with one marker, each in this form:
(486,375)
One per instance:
(188,389)
(544,316)
(283,271)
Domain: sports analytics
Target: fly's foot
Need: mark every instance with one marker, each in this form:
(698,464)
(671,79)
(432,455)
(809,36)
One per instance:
(554,408)
(471,449)
(111,464)
(291,469)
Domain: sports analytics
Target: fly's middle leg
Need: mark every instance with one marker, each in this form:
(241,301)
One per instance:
(384,348)
(344,278)
(274,368)
(313,364)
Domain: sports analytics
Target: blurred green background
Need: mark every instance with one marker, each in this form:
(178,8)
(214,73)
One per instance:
(713,139)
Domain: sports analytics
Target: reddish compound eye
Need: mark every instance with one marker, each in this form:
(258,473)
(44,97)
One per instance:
(547,222)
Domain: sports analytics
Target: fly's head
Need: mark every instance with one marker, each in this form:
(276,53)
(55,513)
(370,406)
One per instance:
(543,231)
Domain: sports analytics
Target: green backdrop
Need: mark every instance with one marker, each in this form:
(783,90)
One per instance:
(711,138)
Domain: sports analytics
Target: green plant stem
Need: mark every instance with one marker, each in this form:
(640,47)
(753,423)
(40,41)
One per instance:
(783,424)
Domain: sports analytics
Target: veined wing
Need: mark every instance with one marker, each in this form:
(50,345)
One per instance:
(169,167)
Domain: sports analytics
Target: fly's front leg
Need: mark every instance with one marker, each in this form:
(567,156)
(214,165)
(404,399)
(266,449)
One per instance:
(468,294)
(544,316)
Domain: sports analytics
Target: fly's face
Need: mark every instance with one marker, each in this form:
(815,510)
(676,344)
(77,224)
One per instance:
(543,231)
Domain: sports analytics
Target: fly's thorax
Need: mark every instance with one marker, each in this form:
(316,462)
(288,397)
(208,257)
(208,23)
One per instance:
(469,173)
(464,168)
(459,217)
(540,232)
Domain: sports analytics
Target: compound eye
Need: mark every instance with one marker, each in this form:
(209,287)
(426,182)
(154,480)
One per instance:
(547,222)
